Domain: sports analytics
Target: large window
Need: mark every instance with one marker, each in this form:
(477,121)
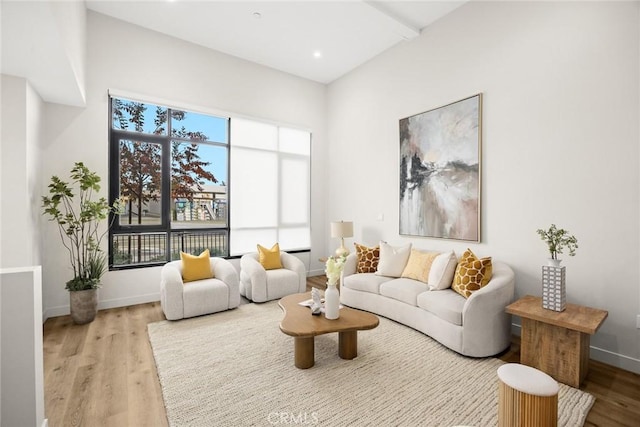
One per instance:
(181,192)
(170,168)
(270,169)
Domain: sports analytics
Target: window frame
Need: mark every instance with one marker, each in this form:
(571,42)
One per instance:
(165,226)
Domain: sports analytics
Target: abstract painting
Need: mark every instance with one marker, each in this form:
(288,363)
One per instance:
(440,171)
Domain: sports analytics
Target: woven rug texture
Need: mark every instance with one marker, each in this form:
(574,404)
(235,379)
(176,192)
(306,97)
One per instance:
(235,368)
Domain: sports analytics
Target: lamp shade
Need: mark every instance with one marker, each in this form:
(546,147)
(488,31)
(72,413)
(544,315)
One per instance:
(342,229)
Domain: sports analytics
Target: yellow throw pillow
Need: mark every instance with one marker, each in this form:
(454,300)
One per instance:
(419,265)
(196,267)
(367,258)
(270,258)
(471,274)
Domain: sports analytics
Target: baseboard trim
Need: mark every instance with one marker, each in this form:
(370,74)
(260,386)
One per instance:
(111,303)
(601,355)
(312,273)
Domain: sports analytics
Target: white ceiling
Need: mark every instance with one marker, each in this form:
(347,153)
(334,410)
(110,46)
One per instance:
(285,36)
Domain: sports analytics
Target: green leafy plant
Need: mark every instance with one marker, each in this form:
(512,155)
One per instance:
(72,206)
(557,239)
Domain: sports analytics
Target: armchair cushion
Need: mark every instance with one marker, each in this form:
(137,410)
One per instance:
(196,267)
(270,258)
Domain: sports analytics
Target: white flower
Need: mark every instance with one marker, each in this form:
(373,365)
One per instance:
(333,268)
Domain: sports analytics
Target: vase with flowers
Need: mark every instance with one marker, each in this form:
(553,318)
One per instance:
(554,294)
(333,270)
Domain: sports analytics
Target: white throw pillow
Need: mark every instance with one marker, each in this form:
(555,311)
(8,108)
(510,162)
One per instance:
(442,271)
(393,259)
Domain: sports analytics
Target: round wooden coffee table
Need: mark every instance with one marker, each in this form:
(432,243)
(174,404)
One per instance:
(299,323)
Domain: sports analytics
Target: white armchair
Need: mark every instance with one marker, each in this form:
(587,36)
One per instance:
(260,285)
(179,300)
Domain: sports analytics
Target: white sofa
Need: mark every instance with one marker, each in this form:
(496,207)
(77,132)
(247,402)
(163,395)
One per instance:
(477,326)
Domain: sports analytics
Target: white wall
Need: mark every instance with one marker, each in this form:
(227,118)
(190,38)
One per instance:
(560,143)
(22,380)
(128,58)
(21,173)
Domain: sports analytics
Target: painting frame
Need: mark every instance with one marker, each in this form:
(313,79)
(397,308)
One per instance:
(440,172)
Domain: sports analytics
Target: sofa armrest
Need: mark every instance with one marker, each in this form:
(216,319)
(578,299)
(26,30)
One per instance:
(485,321)
(350,265)
(293,263)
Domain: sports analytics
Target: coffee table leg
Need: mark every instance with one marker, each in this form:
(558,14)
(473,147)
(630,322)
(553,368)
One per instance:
(303,352)
(348,344)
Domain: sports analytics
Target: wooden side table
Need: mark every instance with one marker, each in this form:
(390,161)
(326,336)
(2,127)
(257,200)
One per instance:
(557,342)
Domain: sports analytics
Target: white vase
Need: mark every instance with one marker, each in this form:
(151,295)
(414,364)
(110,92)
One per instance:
(331,301)
(553,262)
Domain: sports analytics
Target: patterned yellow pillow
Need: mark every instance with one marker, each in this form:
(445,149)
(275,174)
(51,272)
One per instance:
(419,265)
(196,267)
(471,274)
(270,258)
(367,258)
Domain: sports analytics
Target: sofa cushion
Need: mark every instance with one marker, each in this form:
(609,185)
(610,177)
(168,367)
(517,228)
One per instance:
(405,290)
(446,304)
(367,258)
(366,282)
(393,259)
(442,270)
(419,265)
(471,274)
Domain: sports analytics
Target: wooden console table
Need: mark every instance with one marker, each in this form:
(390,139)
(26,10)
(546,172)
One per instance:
(557,342)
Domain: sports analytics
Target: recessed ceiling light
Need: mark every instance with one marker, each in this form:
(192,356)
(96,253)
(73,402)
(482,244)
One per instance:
(257,15)
(317,54)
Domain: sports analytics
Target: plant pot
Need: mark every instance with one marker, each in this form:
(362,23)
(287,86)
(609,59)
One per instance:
(84,305)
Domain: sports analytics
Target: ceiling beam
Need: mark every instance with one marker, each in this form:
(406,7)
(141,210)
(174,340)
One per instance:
(399,27)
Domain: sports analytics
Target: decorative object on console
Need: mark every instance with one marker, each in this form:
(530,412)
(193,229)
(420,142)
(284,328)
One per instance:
(471,274)
(367,258)
(333,270)
(440,171)
(554,291)
(340,230)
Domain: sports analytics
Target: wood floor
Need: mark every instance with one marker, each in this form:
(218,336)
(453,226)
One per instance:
(103,374)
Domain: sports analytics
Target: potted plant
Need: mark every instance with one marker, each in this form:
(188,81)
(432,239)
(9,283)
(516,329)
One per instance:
(72,205)
(557,239)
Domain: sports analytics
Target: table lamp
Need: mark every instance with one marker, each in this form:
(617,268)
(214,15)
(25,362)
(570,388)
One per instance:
(342,229)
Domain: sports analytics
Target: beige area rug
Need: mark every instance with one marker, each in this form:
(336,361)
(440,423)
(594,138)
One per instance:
(236,368)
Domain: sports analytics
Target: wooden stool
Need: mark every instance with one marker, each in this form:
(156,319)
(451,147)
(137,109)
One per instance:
(527,397)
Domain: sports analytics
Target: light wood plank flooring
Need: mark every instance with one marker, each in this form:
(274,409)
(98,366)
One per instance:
(103,374)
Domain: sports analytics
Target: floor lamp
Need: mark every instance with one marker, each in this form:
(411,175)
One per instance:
(342,229)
